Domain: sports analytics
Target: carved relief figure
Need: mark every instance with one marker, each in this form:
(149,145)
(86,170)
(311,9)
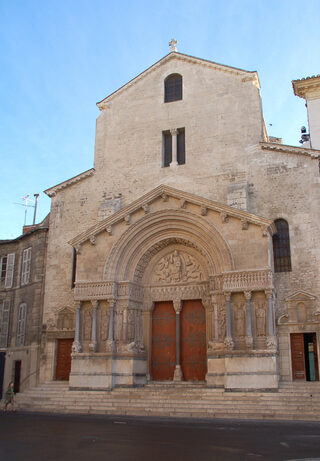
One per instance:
(131,326)
(222,322)
(117,325)
(87,325)
(177,267)
(104,325)
(260,321)
(239,322)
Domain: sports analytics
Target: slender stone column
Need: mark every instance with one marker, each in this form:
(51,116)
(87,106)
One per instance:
(216,322)
(174,134)
(249,339)
(93,344)
(177,372)
(271,339)
(228,342)
(76,346)
(110,346)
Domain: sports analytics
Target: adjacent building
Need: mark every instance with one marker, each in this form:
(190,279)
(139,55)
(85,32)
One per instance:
(22,265)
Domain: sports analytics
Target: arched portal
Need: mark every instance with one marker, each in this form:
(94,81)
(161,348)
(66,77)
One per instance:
(170,255)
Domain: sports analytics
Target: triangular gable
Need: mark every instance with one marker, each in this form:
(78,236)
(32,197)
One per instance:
(165,192)
(300,296)
(244,74)
(53,190)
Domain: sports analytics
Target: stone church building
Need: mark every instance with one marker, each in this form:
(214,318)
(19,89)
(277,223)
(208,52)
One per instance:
(190,251)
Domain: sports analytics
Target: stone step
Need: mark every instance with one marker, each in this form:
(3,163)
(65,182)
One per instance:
(291,402)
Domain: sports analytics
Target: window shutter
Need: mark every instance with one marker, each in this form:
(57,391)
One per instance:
(21,324)
(4,322)
(10,271)
(26,266)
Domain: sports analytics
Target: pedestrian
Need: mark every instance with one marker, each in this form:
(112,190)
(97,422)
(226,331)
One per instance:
(9,397)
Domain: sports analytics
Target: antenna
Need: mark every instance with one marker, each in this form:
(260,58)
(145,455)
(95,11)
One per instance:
(26,199)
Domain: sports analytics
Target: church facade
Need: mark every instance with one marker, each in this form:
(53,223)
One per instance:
(190,251)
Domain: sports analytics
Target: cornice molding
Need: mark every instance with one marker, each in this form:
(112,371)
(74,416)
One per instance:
(247,76)
(312,153)
(69,182)
(167,191)
(307,88)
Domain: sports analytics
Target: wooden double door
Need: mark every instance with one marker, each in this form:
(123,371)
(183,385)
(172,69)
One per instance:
(192,343)
(304,357)
(63,366)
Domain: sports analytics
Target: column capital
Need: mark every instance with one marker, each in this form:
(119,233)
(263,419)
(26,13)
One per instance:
(268,293)
(227,295)
(77,304)
(174,132)
(177,305)
(247,295)
(94,303)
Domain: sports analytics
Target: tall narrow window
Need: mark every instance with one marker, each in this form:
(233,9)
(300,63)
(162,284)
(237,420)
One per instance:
(173,88)
(7,270)
(167,148)
(173,147)
(74,267)
(4,322)
(181,150)
(26,266)
(281,247)
(21,330)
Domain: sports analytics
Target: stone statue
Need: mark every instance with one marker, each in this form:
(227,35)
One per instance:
(239,322)
(260,321)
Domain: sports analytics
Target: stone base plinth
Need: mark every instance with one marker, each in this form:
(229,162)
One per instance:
(253,371)
(106,371)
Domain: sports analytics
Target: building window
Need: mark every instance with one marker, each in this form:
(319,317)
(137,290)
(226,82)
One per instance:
(173,88)
(7,270)
(74,267)
(173,147)
(26,266)
(21,330)
(4,322)
(281,247)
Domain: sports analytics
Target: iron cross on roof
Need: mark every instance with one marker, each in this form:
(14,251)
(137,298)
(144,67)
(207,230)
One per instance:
(173,44)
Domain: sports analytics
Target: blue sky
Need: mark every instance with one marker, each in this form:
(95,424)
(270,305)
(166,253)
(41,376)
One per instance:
(58,58)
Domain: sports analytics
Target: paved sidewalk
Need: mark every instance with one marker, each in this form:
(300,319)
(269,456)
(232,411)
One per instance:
(26,437)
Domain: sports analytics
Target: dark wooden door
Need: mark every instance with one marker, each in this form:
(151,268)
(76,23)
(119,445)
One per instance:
(163,359)
(64,359)
(2,365)
(315,351)
(193,341)
(17,375)
(298,356)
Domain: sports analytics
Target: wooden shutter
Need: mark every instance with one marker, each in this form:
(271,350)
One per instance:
(9,271)
(22,315)
(4,322)
(26,266)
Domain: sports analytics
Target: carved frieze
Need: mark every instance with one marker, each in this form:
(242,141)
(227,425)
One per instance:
(177,267)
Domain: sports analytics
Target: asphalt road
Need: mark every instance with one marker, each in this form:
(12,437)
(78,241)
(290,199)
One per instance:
(26,437)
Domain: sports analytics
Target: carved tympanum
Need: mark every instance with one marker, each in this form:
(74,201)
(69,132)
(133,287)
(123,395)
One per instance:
(177,267)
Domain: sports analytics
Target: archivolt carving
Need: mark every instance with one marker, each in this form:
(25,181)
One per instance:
(177,267)
(132,252)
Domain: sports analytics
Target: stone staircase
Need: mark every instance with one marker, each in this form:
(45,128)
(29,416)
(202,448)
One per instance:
(293,401)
